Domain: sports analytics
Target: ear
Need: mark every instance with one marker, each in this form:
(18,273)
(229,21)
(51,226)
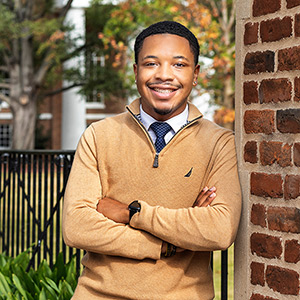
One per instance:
(196,73)
(135,67)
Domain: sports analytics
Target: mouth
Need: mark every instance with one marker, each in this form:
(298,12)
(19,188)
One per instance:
(163,90)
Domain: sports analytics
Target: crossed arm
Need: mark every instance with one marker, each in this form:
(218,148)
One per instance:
(192,228)
(119,213)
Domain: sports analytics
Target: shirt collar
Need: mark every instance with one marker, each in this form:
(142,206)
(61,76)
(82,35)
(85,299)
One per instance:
(176,122)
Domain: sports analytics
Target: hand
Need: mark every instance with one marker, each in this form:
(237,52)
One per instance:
(205,197)
(114,210)
(164,248)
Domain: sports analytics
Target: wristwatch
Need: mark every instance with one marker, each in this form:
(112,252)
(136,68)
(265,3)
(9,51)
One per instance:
(134,207)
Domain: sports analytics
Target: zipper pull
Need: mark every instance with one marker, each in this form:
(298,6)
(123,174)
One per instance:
(155,163)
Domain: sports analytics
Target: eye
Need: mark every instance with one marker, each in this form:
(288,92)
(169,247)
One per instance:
(179,65)
(150,64)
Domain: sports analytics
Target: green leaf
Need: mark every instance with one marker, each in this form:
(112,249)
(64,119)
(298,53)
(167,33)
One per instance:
(22,260)
(66,291)
(44,271)
(4,285)
(59,268)
(71,277)
(27,281)
(3,260)
(52,284)
(51,292)
(42,295)
(19,286)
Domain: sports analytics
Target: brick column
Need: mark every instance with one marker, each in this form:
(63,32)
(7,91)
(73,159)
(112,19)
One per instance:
(267,250)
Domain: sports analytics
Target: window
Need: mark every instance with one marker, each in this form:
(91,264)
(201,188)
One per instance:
(5,136)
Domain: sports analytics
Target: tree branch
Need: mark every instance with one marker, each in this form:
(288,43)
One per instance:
(5,99)
(52,93)
(74,52)
(232,14)
(4,69)
(4,86)
(41,73)
(65,9)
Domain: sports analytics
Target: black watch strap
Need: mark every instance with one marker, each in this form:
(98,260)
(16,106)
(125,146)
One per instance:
(133,208)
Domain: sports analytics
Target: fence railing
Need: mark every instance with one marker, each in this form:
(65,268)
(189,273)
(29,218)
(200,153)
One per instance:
(32,185)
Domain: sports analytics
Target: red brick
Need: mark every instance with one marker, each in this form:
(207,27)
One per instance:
(257,297)
(297,25)
(264,7)
(292,3)
(270,298)
(297,154)
(257,62)
(251,33)
(261,297)
(259,121)
(291,187)
(289,59)
(250,152)
(272,152)
(285,219)
(266,185)
(265,245)
(292,251)
(275,29)
(275,90)
(257,273)
(250,92)
(282,280)
(258,215)
(285,158)
(297,89)
(288,121)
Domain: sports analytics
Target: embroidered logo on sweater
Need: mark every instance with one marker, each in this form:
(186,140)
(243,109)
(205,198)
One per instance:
(189,173)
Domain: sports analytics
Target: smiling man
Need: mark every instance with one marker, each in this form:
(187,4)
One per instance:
(154,190)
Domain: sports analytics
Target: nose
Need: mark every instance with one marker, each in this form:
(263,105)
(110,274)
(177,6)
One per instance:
(164,72)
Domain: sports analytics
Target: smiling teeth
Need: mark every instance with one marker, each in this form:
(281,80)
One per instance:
(163,91)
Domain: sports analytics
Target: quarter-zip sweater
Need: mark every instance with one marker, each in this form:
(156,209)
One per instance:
(116,158)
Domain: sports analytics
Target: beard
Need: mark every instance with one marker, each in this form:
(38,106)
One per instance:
(162,112)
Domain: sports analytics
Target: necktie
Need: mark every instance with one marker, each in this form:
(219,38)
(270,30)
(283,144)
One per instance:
(160,129)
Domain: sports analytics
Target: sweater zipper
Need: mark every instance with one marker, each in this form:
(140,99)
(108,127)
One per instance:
(155,162)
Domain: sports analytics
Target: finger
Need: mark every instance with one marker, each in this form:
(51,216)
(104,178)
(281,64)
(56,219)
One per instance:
(209,200)
(204,190)
(200,196)
(204,194)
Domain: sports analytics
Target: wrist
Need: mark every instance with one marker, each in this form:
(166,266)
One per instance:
(133,208)
(168,249)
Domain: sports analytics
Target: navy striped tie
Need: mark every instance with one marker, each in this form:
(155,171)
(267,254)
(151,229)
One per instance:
(160,129)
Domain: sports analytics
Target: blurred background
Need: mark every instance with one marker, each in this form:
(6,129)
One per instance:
(65,64)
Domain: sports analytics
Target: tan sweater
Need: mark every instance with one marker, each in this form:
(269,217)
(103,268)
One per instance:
(115,159)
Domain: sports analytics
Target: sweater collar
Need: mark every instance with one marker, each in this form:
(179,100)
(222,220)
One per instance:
(194,113)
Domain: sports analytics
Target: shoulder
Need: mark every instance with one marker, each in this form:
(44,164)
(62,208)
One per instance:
(212,129)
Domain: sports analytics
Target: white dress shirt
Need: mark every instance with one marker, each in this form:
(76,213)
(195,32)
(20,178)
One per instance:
(176,123)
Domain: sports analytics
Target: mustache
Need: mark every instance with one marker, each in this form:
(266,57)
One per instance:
(163,83)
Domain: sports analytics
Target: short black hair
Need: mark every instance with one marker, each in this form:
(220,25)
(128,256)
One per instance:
(169,27)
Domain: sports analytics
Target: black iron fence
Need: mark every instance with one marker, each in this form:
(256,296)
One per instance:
(32,185)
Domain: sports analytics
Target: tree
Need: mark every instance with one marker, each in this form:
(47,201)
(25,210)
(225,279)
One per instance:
(218,43)
(212,21)
(33,46)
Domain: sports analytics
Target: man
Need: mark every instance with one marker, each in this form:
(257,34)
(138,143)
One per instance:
(137,198)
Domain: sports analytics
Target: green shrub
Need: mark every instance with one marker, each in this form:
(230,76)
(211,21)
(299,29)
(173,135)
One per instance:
(45,283)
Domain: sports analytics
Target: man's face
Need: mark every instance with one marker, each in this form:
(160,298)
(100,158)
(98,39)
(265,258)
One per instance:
(165,74)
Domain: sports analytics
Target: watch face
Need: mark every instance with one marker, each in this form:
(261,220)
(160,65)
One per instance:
(135,205)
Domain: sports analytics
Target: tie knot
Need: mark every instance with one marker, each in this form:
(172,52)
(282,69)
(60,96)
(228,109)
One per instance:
(160,128)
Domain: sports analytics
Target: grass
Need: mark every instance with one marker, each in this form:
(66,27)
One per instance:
(217,273)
